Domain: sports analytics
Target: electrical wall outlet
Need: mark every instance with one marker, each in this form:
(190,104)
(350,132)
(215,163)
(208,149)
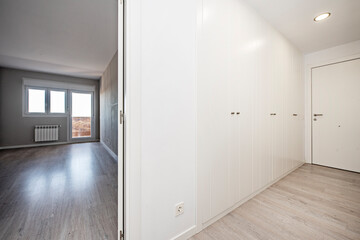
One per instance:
(179,209)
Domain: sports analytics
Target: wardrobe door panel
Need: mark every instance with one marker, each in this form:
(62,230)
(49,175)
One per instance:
(213,114)
(243,71)
(300,119)
(275,110)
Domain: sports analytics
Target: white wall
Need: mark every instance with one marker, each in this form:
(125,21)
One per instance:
(168,117)
(331,55)
(246,66)
(161,73)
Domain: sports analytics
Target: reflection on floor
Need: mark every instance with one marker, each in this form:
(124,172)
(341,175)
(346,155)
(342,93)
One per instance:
(313,202)
(58,192)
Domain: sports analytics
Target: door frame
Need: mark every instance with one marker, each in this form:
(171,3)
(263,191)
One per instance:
(342,60)
(93,119)
(122,233)
(131,45)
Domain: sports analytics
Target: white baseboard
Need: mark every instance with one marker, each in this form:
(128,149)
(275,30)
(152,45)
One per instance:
(109,150)
(33,145)
(186,234)
(43,144)
(238,204)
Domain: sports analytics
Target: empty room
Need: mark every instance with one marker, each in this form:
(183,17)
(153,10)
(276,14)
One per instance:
(175,120)
(58,124)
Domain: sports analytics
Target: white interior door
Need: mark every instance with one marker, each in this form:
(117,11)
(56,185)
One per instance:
(121,212)
(336,115)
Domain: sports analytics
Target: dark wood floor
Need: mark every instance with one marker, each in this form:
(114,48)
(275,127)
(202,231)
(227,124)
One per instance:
(58,192)
(313,202)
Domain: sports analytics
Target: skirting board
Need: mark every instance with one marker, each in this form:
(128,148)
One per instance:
(186,234)
(42,145)
(229,210)
(33,145)
(109,151)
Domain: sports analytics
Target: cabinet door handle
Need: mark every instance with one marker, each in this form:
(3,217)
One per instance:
(318,115)
(295,114)
(237,113)
(272,114)
(232,113)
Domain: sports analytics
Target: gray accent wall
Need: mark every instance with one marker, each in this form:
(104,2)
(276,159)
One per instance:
(109,106)
(17,130)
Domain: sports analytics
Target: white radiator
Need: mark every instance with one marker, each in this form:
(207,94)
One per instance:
(46,133)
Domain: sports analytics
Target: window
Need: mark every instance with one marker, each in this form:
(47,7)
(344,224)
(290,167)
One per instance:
(36,100)
(57,101)
(45,101)
(44,98)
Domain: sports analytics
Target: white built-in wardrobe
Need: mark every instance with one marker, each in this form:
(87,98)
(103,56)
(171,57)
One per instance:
(250,107)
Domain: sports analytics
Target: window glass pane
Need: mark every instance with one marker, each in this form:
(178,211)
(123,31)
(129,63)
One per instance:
(36,101)
(81,105)
(57,101)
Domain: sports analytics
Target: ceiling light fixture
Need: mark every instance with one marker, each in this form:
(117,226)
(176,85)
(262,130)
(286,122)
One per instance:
(322,17)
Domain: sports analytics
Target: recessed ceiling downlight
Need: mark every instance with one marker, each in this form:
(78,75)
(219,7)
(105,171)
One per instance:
(322,17)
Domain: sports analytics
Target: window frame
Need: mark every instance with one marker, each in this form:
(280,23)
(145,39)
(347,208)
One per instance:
(93,119)
(66,106)
(27,88)
(47,112)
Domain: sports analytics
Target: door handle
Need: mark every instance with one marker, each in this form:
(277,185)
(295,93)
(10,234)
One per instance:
(272,114)
(318,115)
(121,117)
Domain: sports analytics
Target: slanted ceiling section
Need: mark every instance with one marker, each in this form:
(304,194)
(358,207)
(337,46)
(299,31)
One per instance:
(294,19)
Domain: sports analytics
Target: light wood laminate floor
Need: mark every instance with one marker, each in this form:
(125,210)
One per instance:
(312,203)
(58,192)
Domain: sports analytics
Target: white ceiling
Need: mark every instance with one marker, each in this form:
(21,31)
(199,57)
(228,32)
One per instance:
(294,19)
(79,37)
(70,37)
